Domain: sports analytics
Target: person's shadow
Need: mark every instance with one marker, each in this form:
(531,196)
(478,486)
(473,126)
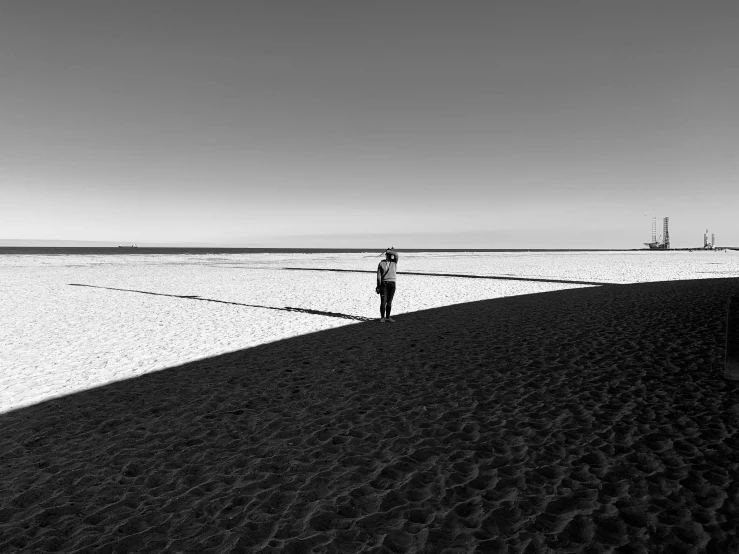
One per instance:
(195,297)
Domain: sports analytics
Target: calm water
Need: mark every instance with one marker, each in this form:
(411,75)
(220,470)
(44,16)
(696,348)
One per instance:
(115,251)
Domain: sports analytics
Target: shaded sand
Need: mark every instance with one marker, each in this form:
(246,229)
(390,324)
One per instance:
(582,420)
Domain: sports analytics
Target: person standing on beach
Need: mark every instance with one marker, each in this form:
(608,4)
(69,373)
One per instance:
(386,283)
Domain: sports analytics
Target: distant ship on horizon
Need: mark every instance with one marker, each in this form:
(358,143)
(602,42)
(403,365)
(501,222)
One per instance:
(127,246)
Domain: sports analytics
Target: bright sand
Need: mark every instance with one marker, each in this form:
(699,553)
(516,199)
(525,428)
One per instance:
(567,420)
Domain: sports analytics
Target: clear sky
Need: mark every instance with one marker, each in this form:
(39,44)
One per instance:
(456,124)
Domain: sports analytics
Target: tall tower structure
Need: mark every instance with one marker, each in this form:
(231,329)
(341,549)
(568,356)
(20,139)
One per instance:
(654,229)
(666,233)
(713,240)
(705,239)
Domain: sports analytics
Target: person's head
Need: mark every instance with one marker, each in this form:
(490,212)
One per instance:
(391,255)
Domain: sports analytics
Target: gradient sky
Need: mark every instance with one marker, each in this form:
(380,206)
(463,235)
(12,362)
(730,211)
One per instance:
(550,124)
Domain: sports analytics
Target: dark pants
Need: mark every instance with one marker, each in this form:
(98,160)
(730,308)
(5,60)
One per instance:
(387,291)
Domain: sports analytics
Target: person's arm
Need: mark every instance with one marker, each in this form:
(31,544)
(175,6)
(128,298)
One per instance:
(379,274)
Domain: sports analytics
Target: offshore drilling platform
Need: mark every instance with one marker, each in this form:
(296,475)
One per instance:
(663,243)
(709,245)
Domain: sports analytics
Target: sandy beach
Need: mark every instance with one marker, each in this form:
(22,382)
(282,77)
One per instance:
(73,322)
(254,404)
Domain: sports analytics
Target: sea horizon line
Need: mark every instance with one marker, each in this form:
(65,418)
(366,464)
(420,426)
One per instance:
(135,249)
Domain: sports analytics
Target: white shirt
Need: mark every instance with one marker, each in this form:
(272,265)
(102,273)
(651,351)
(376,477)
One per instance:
(387,269)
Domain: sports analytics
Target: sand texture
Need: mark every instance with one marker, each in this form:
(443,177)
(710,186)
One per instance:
(592,419)
(73,322)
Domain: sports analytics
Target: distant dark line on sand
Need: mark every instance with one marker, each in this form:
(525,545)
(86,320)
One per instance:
(493,277)
(195,297)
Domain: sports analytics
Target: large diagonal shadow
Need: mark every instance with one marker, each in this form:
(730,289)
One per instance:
(195,297)
(493,277)
(366,434)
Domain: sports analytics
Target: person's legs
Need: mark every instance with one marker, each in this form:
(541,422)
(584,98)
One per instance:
(390,292)
(383,293)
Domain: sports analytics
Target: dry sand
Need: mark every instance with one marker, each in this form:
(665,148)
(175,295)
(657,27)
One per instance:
(137,314)
(142,313)
(590,419)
